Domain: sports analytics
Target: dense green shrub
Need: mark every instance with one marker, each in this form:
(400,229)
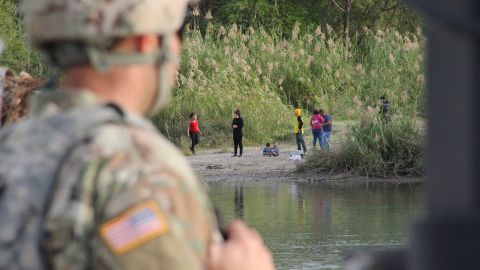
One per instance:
(374,147)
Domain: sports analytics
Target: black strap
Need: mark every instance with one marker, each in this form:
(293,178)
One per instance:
(116,108)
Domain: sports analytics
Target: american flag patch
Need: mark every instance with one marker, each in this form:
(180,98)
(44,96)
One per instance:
(135,227)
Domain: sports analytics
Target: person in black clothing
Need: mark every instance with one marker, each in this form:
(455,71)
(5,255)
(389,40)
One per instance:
(384,108)
(237,126)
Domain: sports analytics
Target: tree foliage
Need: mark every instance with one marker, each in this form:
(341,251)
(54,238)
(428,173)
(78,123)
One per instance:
(283,14)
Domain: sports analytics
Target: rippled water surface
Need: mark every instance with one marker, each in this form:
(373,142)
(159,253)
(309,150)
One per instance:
(313,227)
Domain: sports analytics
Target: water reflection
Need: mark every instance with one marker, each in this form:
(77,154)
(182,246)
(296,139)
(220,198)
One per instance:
(312,227)
(238,201)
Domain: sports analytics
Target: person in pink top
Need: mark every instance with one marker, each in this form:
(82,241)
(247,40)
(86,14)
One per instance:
(193,131)
(316,123)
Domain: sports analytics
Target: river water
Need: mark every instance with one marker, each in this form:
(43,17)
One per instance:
(312,226)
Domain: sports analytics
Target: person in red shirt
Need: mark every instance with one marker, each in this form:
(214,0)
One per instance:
(193,131)
(316,122)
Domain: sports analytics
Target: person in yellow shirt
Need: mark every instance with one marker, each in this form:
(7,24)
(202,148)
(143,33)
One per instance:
(298,130)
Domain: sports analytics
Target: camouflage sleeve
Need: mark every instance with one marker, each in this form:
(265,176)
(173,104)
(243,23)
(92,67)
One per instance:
(129,207)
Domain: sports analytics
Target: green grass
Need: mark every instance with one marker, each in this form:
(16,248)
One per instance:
(265,76)
(17,55)
(374,147)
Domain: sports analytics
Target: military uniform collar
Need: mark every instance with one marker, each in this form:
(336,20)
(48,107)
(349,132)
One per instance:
(53,101)
(50,102)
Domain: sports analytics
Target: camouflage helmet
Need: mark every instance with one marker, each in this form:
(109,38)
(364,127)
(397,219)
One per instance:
(82,31)
(100,21)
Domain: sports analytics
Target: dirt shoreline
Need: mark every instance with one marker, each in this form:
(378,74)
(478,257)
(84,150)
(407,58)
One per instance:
(215,165)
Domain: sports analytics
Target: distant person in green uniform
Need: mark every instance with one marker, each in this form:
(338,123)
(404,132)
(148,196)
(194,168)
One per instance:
(384,108)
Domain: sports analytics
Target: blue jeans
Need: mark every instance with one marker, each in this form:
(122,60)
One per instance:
(326,139)
(317,134)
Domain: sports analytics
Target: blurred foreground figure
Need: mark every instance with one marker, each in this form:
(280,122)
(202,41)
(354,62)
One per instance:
(86,182)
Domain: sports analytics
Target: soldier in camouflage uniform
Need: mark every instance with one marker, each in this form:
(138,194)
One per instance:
(86,181)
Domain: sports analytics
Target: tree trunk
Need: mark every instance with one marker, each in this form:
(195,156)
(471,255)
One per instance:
(346,19)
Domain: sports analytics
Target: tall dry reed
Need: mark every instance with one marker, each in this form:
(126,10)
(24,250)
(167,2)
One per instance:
(266,75)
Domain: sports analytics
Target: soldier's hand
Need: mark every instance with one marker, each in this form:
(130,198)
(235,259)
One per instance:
(244,249)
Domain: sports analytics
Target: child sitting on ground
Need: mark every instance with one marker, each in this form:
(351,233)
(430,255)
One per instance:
(275,151)
(267,150)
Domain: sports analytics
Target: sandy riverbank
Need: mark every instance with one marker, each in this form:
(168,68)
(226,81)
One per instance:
(215,165)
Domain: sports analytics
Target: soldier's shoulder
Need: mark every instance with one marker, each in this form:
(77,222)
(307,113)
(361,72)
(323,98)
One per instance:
(138,139)
(138,135)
